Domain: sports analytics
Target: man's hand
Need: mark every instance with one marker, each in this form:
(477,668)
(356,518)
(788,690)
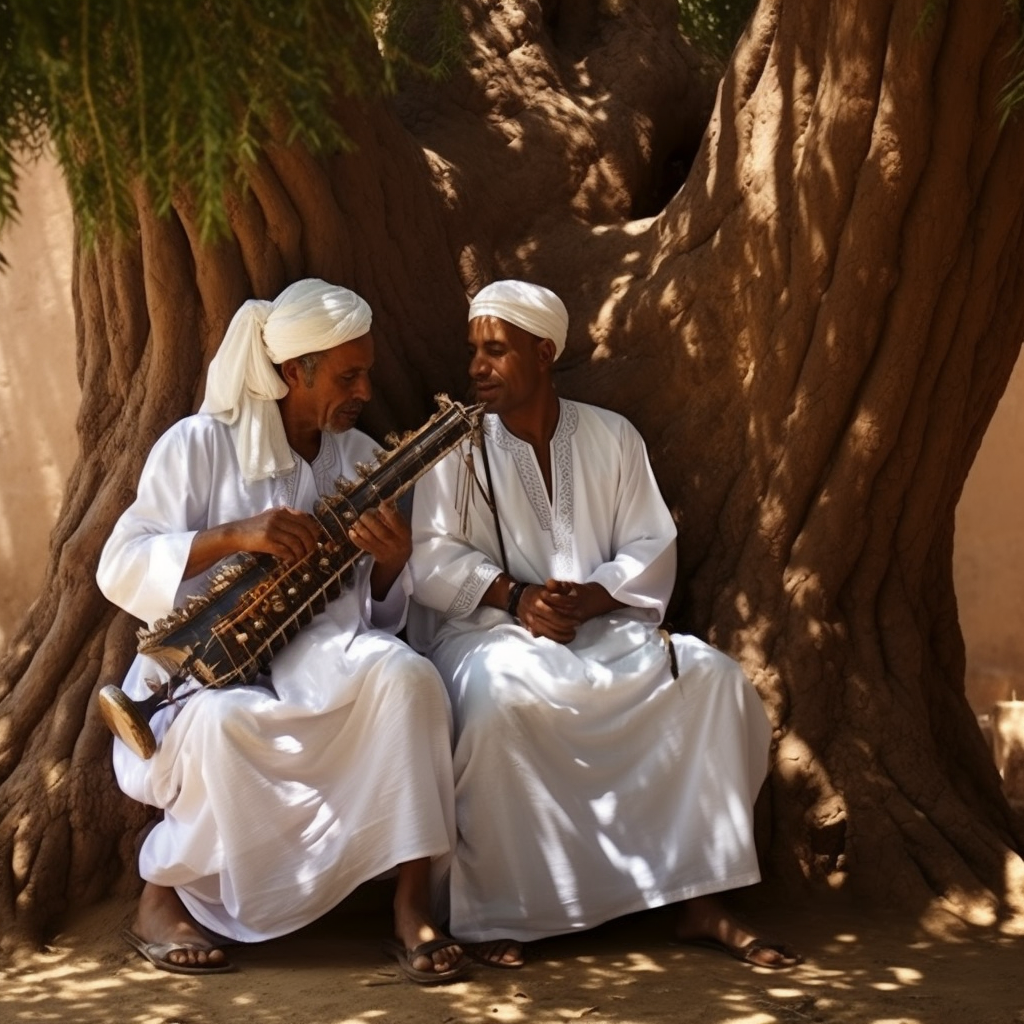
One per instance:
(387,536)
(544,618)
(560,607)
(284,532)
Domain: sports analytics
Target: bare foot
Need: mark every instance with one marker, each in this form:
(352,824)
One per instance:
(161,917)
(414,924)
(705,919)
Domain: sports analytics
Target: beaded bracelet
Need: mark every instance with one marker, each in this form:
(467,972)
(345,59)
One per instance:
(513,598)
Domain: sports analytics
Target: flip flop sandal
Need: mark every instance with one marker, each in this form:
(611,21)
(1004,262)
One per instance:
(405,957)
(475,951)
(157,953)
(746,953)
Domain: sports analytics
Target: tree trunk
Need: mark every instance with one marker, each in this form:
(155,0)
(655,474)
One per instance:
(812,335)
(390,221)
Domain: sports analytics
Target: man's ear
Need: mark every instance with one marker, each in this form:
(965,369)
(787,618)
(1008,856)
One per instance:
(291,372)
(547,353)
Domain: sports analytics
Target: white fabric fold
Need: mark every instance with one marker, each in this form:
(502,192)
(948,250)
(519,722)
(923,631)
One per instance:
(242,384)
(278,804)
(589,782)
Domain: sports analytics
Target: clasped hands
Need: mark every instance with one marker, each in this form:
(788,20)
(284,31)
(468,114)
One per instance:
(558,608)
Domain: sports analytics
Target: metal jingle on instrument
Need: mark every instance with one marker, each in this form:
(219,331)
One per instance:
(263,605)
(126,721)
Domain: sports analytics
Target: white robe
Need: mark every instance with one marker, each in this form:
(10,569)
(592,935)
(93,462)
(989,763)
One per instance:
(589,782)
(277,807)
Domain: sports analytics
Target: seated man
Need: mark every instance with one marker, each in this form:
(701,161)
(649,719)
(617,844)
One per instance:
(600,768)
(279,800)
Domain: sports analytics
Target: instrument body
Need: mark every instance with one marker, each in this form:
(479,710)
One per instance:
(255,603)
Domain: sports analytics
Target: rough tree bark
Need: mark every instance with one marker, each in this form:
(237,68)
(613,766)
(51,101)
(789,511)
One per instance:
(812,335)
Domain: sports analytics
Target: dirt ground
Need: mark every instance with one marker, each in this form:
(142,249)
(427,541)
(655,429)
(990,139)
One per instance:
(878,968)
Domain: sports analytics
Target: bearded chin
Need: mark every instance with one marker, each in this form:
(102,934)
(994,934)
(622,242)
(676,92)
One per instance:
(343,420)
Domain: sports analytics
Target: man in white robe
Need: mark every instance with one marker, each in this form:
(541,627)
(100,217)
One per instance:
(598,770)
(278,801)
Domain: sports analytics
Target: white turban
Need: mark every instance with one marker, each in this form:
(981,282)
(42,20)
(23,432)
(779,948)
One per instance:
(242,386)
(529,306)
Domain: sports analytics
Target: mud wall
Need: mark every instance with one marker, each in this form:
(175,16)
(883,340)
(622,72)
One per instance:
(39,393)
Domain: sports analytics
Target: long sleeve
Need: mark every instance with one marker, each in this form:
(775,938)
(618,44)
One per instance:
(641,567)
(144,558)
(604,520)
(450,571)
(389,614)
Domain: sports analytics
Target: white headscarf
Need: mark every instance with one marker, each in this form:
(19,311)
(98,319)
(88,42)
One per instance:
(535,309)
(242,386)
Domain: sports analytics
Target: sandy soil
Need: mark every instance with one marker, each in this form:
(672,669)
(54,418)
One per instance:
(874,968)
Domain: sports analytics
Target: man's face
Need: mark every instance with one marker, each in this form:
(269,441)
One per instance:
(340,386)
(504,364)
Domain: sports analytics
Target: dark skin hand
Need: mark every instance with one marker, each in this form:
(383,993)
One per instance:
(556,609)
(282,532)
(291,536)
(385,533)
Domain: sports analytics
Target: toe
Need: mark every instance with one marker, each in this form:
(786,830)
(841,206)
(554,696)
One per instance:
(192,956)
(772,955)
(501,952)
(438,960)
(445,959)
(210,957)
(510,953)
(422,963)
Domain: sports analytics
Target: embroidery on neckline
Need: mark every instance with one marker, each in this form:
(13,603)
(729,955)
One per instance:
(325,469)
(560,527)
(325,466)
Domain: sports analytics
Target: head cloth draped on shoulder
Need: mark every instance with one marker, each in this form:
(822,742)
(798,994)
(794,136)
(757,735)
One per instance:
(242,386)
(535,309)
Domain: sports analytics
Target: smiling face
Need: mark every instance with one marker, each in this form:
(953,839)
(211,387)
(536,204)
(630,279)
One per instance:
(509,367)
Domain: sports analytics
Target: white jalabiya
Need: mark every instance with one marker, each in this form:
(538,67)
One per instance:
(589,782)
(278,804)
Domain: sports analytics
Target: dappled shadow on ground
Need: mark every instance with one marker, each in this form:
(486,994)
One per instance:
(860,968)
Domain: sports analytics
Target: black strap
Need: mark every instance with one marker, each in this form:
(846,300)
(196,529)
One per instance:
(494,500)
(513,599)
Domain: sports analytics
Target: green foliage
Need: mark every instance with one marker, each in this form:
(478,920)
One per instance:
(1012,97)
(422,36)
(180,94)
(929,12)
(715,26)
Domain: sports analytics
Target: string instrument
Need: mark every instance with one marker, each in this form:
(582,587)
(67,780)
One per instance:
(255,603)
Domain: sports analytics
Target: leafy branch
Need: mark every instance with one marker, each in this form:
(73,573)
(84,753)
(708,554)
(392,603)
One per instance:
(180,96)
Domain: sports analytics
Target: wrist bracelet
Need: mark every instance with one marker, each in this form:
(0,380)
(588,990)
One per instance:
(513,598)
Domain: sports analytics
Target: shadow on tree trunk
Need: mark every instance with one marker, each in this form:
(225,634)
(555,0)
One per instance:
(812,335)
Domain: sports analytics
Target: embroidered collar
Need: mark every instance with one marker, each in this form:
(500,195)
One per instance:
(326,468)
(559,524)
